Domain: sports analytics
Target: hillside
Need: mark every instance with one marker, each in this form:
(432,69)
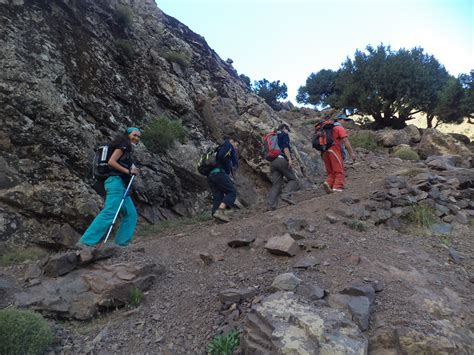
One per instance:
(384,267)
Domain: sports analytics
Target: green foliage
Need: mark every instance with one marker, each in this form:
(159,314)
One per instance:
(471,221)
(364,139)
(135,297)
(310,122)
(161,134)
(318,88)
(124,16)
(17,256)
(23,332)
(467,101)
(271,92)
(181,58)
(125,48)
(445,239)
(224,344)
(154,229)
(391,86)
(422,215)
(406,153)
(357,225)
(448,108)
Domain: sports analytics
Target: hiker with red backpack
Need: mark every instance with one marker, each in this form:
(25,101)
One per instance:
(278,152)
(222,187)
(329,138)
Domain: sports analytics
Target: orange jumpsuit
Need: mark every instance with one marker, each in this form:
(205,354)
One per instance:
(333,159)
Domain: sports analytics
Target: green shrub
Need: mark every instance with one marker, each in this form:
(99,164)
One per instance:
(422,215)
(125,48)
(406,153)
(181,58)
(161,134)
(135,297)
(124,16)
(471,221)
(23,332)
(17,256)
(310,122)
(224,344)
(357,225)
(364,139)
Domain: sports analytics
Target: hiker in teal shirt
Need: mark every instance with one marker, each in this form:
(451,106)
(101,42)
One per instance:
(121,170)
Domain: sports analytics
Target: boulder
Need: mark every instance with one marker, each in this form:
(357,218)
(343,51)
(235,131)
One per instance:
(391,137)
(83,292)
(285,282)
(283,245)
(434,142)
(286,324)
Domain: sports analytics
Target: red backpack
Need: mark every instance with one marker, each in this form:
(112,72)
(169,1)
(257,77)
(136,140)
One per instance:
(270,145)
(322,137)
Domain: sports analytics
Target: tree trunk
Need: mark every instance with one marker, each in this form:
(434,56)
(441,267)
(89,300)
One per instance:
(429,121)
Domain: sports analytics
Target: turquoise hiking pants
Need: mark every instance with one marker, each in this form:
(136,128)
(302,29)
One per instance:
(115,188)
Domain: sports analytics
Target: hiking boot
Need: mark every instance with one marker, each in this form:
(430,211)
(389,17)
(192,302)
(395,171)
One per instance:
(219,214)
(238,204)
(84,252)
(288,200)
(327,188)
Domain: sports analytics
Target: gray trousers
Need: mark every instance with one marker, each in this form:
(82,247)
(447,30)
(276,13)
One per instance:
(279,168)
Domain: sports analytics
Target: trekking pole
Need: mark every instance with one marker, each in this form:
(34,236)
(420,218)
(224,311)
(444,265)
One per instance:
(119,208)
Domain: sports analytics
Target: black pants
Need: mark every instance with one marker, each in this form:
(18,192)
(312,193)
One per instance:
(223,190)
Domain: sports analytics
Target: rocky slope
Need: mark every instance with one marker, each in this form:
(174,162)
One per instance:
(74,73)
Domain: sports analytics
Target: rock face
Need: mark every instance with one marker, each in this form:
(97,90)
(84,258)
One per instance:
(285,324)
(82,293)
(74,74)
(435,143)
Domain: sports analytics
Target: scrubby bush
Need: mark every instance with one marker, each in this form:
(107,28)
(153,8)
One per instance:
(356,225)
(161,134)
(125,48)
(23,332)
(17,256)
(135,297)
(224,344)
(422,215)
(406,153)
(181,58)
(364,139)
(124,16)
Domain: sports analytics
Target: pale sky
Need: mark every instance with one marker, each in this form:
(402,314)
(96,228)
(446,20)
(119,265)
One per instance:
(287,40)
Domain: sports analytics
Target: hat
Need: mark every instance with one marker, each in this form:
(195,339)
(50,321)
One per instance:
(284,125)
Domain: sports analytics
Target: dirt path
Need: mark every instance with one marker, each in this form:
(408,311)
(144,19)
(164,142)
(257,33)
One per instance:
(182,312)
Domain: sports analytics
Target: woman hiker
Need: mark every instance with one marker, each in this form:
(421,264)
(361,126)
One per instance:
(121,171)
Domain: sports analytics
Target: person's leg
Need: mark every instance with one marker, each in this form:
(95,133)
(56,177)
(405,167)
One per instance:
(228,189)
(328,164)
(277,180)
(337,167)
(293,183)
(128,222)
(95,232)
(217,195)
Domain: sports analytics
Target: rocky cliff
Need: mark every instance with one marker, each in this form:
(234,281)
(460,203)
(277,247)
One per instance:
(74,73)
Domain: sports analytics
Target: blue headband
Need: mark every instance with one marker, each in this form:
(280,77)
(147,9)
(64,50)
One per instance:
(131,129)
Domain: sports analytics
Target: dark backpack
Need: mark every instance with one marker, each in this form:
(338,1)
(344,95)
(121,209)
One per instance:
(207,162)
(270,146)
(322,137)
(100,166)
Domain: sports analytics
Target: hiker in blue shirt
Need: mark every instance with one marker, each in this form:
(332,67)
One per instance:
(282,167)
(221,185)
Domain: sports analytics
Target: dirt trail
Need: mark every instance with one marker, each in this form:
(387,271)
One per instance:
(181,313)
